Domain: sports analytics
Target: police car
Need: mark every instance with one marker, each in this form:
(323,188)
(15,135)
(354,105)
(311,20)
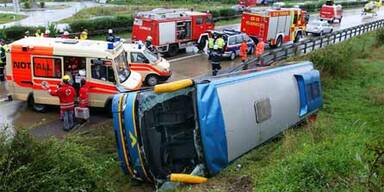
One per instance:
(233,40)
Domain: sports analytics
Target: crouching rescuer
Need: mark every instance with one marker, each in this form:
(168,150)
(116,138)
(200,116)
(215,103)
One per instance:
(66,94)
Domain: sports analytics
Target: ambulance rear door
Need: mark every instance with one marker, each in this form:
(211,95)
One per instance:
(46,69)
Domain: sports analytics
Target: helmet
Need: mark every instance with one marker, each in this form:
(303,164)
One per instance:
(149,38)
(66,33)
(110,31)
(66,78)
(215,47)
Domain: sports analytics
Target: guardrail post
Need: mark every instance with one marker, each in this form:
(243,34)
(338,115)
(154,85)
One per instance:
(305,48)
(334,38)
(321,42)
(313,45)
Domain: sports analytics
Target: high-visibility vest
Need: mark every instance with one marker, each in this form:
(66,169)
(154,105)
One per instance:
(211,43)
(220,43)
(83,35)
(259,48)
(243,51)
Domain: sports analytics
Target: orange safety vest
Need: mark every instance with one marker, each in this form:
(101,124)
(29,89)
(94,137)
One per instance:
(259,48)
(243,51)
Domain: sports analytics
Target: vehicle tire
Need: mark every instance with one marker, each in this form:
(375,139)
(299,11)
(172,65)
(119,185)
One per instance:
(173,50)
(250,51)
(152,80)
(36,107)
(232,56)
(298,37)
(279,42)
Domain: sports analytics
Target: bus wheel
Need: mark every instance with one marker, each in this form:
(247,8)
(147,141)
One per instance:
(37,107)
(152,80)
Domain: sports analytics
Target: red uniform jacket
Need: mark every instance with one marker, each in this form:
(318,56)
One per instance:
(66,94)
(243,51)
(83,96)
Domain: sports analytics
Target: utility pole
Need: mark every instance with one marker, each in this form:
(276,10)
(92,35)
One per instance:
(16,6)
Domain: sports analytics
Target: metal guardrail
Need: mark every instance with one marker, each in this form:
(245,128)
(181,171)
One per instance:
(309,45)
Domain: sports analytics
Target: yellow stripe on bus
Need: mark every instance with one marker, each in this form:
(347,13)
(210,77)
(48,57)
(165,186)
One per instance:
(122,137)
(137,145)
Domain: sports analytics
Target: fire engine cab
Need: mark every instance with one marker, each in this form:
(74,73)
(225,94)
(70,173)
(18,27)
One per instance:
(331,12)
(171,29)
(247,3)
(36,61)
(274,26)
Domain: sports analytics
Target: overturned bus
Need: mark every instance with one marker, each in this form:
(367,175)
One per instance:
(210,123)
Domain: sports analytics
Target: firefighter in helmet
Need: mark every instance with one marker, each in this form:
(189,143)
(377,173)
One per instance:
(65,35)
(215,60)
(110,36)
(148,44)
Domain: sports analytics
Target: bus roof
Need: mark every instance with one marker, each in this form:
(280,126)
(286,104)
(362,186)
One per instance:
(71,47)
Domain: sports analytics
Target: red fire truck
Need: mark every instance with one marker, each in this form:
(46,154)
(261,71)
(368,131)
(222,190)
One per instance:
(171,29)
(247,3)
(331,12)
(275,26)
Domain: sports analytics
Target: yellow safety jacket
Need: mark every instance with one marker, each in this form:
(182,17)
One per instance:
(220,42)
(211,43)
(83,35)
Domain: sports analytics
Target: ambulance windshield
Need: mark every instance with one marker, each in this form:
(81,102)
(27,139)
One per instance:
(122,68)
(153,58)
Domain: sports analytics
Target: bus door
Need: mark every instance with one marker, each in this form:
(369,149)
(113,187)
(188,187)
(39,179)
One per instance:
(46,69)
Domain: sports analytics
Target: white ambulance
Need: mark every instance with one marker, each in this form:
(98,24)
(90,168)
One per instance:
(32,61)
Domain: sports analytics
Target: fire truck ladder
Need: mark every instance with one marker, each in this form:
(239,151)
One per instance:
(161,13)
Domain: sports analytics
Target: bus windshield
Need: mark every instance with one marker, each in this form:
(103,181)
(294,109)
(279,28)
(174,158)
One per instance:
(122,67)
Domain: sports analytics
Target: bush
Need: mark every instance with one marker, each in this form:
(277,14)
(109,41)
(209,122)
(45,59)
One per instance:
(379,37)
(17,32)
(26,5)
(227,12)
(336,60)
(102,23)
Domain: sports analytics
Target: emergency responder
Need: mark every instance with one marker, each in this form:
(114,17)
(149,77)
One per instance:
(220,43)
(259,51)
(148,44)
(26,34)
(211,43)
(110,36)
(215,60)
(66,94)
(2,60)
(243,54)
(65,35)
(38,33)
(83,94)
(47,33)
(84,35)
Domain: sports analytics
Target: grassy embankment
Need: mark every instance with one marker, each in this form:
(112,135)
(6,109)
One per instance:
(342,151)
(7,17)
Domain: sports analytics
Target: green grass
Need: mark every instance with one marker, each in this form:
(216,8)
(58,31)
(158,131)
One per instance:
(6,18)
(228,22)
(339,152)
(127,10)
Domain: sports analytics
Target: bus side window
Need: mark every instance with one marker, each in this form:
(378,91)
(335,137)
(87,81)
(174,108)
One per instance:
(102,71)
